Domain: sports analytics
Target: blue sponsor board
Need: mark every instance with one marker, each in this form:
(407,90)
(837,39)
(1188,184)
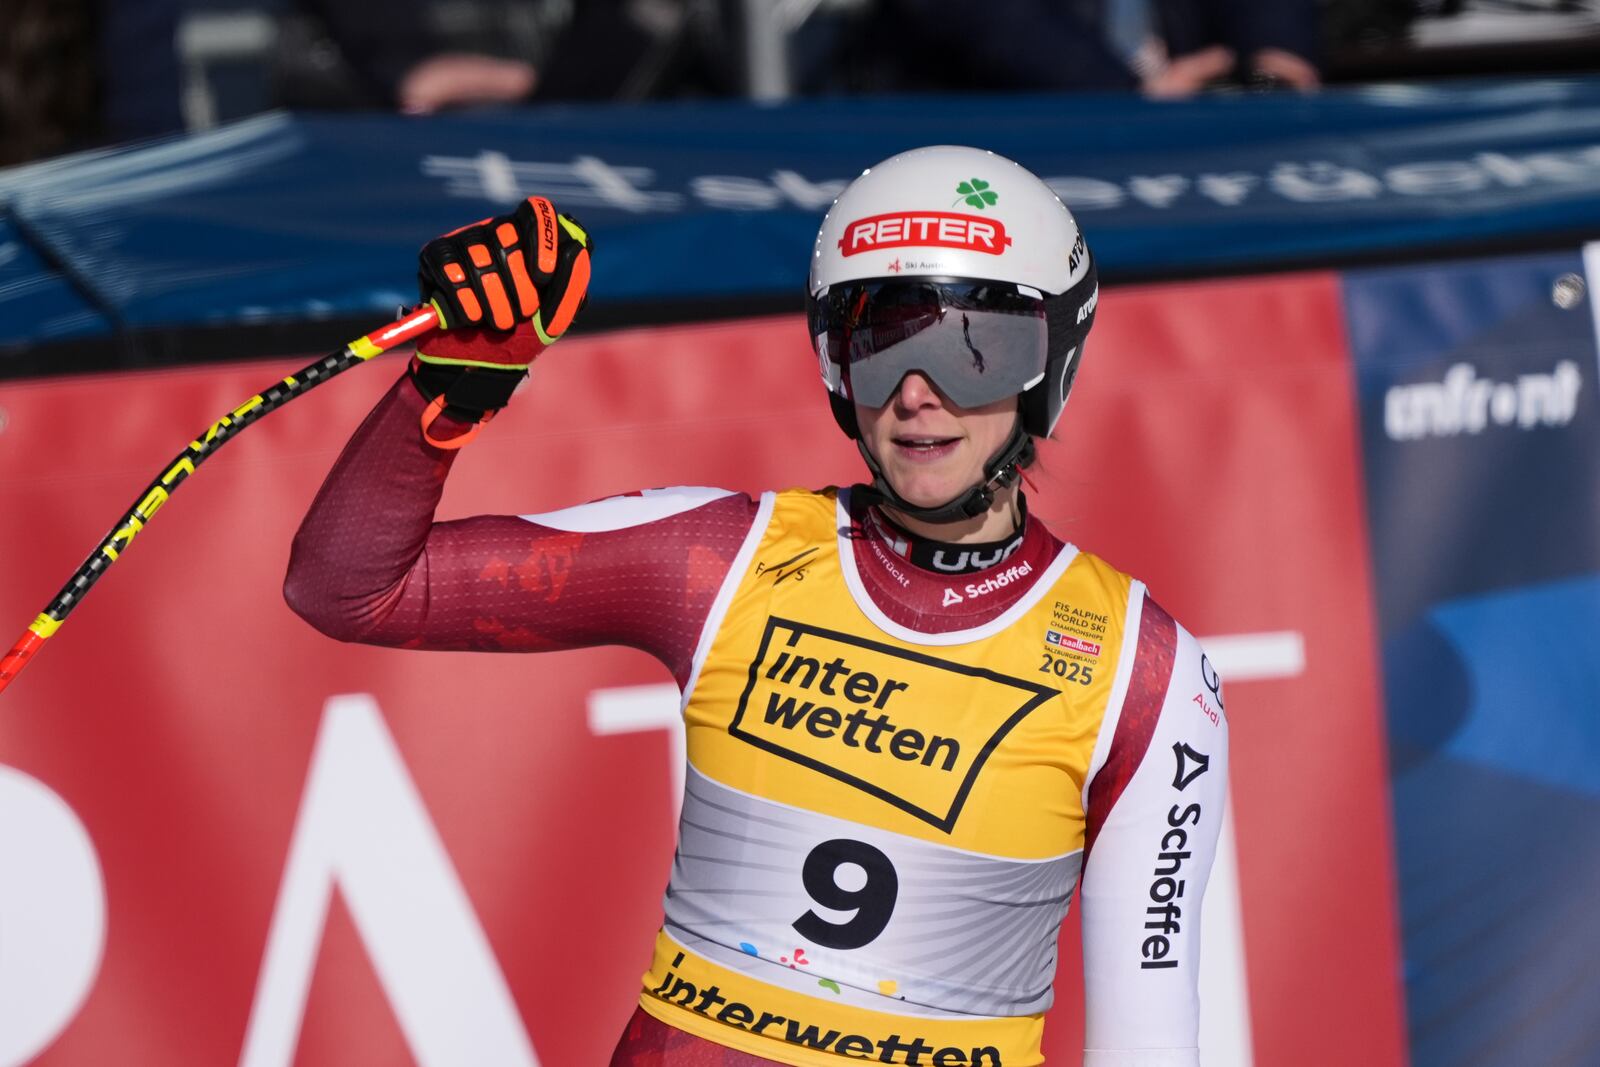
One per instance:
(1481,438)
(293,218)
(37,302)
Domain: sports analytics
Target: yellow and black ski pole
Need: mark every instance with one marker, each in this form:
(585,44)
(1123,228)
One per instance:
(412,326)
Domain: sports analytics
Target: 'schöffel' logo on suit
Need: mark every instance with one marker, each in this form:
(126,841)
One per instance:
(1191,765)
(908,728)
(1164,914)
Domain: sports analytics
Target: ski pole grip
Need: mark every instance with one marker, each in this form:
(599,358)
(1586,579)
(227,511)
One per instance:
(18,657)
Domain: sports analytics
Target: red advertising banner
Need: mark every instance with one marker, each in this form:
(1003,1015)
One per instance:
(227,839)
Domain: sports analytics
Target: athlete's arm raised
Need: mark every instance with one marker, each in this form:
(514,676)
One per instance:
(369,563)
(1155,811)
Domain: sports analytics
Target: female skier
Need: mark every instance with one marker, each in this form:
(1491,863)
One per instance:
(917,720)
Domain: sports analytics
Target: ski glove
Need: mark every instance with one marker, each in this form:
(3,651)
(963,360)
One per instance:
(505,288)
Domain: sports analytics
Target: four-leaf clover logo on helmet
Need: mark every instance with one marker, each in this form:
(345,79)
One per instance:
(976,192)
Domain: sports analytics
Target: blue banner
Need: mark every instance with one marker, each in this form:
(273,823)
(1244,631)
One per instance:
(37,302)
(1481,427)
(293,218)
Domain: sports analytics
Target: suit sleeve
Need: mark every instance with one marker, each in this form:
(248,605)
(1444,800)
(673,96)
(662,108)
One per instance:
(1155,812)
(370,564)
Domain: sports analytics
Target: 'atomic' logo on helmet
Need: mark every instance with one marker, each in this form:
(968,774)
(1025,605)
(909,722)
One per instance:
(938,229)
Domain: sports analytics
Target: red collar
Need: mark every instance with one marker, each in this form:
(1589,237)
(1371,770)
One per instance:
(939,603)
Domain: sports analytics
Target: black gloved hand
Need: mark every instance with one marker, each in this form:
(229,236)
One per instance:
(505,288)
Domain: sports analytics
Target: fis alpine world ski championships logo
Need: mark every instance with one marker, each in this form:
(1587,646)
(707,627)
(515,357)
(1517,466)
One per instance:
(912,730)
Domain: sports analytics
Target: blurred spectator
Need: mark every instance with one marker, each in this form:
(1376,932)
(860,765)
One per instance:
(396,54)
(1005,45)
(1164,48)
(644,49)
(49,93)
(462,79)
(74,72)
(1267,43)
(139,59)
(1387,39)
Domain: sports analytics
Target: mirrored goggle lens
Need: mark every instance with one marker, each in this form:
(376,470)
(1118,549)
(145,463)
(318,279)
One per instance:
(978,342)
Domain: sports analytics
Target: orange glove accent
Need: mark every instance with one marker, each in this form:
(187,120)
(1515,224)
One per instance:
(494,284)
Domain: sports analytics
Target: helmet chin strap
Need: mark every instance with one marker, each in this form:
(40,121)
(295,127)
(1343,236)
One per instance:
(1002,470)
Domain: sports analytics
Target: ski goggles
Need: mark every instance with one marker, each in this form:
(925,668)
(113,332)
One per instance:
(978,341)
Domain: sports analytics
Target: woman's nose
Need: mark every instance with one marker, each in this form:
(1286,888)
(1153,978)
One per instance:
(916,391)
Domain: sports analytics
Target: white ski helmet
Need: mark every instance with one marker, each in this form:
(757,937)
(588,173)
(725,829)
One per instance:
(962,265)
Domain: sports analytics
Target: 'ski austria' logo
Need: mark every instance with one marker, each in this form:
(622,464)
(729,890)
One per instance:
(841,705)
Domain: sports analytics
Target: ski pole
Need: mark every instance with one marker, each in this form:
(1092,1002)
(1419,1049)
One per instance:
(409,328)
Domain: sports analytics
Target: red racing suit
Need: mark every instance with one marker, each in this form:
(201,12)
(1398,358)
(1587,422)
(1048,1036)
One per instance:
(936,763)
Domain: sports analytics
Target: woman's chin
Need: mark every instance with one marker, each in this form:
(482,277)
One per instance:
(921,491)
